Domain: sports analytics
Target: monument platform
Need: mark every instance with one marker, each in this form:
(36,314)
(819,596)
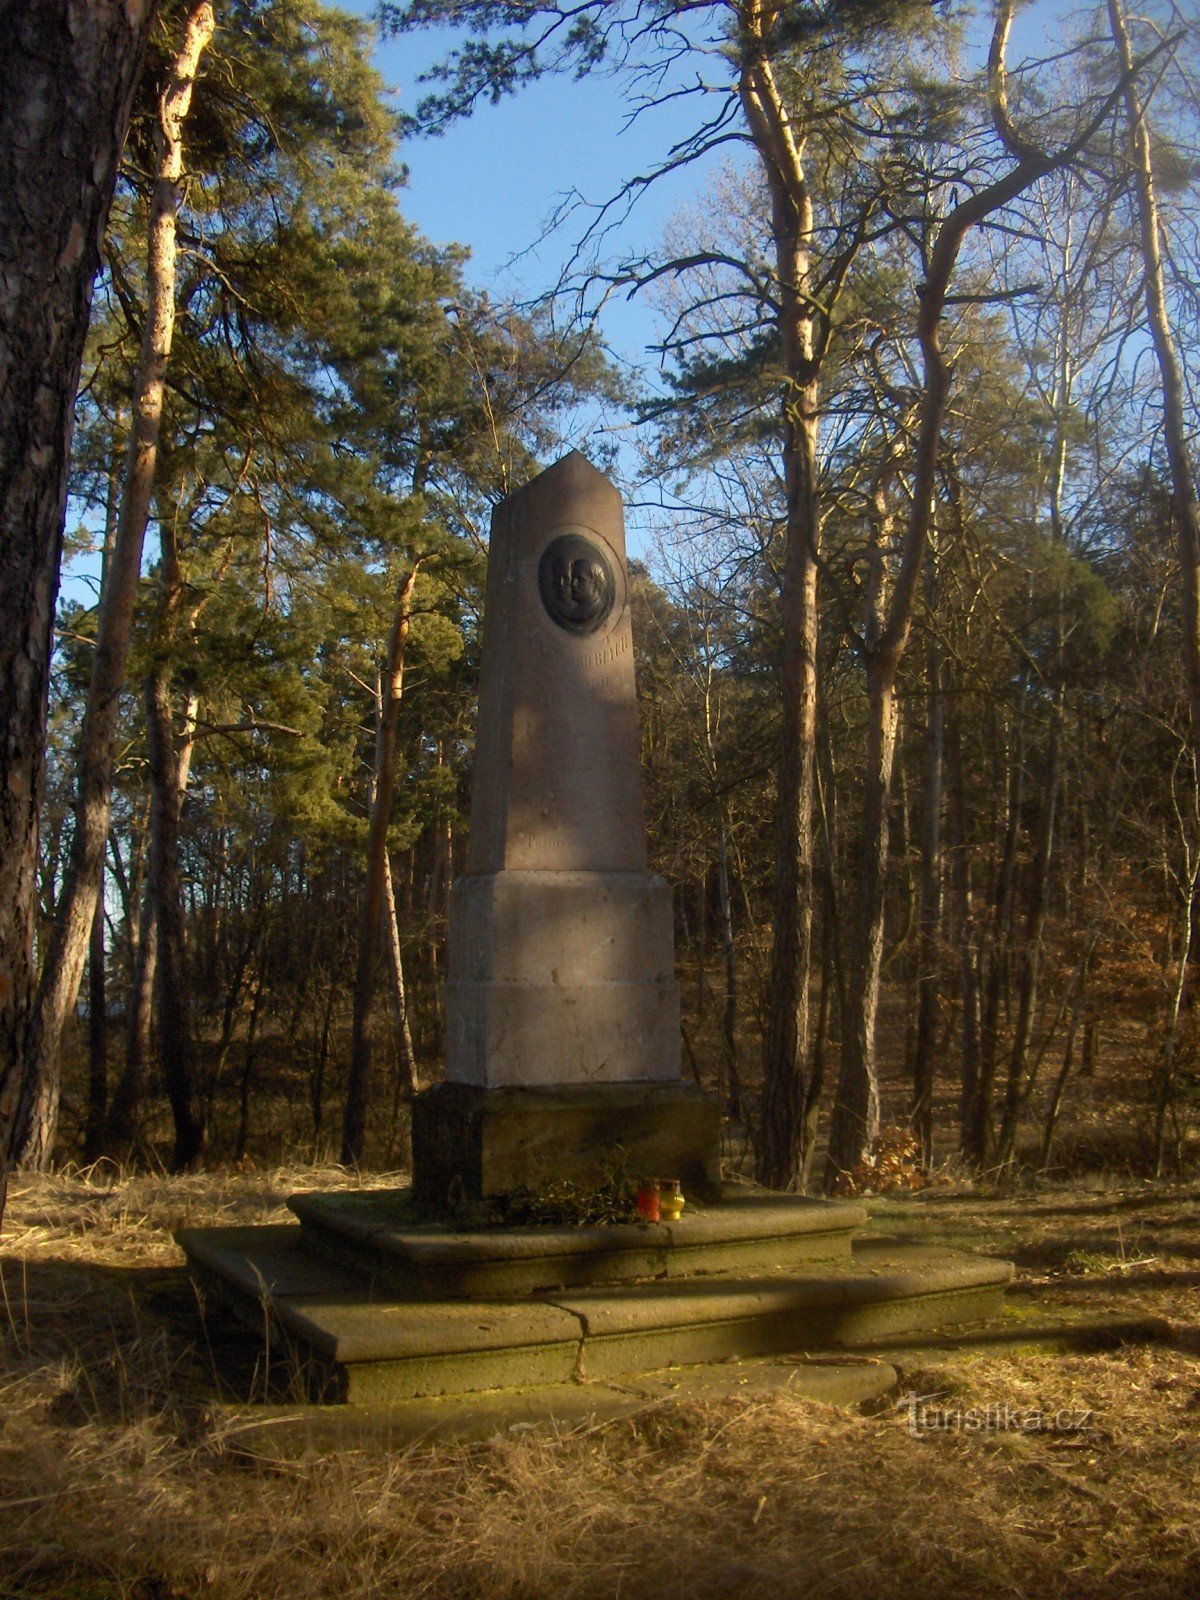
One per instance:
(372,1306)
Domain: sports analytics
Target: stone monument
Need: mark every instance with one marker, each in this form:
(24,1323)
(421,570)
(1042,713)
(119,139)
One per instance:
(562,1008)
(563,1056)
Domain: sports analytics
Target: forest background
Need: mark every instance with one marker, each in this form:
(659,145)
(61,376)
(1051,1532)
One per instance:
(915,610)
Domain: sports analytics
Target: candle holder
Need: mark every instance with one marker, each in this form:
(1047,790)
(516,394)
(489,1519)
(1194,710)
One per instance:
(647,1200)
(670,1200)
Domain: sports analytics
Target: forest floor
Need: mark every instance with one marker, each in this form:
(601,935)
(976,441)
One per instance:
(121,1477)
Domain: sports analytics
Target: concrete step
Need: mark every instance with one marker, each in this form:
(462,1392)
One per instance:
(270,1433)
(379,1234)
(352,1342)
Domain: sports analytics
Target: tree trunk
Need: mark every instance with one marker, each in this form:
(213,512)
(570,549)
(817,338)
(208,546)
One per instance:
(248,1064)
(1030,960)
(354,1124)
(407,1076)
(785,1038)
(74,914)
(734,1100)
(855,1121)
(930,915)
(1185,503)
(67,76)
(965,927)
(123,1121)
(1050,1122)
(97,1105)
(172,989)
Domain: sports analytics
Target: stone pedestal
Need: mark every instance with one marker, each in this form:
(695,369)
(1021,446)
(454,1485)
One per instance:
(561,953)
(470,1142)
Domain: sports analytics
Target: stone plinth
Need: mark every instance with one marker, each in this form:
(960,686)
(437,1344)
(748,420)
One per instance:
(470,1142)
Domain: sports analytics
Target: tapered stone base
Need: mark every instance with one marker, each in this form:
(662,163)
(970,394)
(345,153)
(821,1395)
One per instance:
(472,1142)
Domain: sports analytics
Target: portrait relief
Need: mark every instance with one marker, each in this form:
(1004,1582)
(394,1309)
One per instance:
(576,583)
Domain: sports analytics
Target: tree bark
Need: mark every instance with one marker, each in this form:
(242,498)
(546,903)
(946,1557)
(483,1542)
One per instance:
(1185,502)
(124,1115)
(97,1104)
(404,1046)
(734,1098)
(930,914)
(780,1153)
(1030,960)
(856,1109)
(74,913)
(172,989)
(852,1116)
(383,788)
(68,70)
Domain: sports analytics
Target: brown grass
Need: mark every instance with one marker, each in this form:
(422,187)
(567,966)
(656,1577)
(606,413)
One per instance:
(121,1477)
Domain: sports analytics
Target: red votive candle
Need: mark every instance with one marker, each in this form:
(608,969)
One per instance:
(647,1199)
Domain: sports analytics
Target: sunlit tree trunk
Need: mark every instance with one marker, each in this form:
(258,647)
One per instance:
(74,913)
(67,74)
(170,758)
(930,914)
(856,1110)
(383,788)
(851,1129)
(780,1153)
(97,1102)
(1185,502)
(399,996)
(124,1114)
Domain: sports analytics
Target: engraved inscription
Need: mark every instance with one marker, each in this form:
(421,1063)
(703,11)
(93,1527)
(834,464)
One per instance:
(542,844)
(576,583)
(611,652)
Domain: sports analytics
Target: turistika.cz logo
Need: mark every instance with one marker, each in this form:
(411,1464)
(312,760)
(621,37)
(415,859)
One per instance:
(927,1414)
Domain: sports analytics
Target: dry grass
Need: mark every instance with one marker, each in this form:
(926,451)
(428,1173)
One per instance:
(119,1478)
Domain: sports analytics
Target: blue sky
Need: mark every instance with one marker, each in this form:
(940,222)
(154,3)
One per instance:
(493,180)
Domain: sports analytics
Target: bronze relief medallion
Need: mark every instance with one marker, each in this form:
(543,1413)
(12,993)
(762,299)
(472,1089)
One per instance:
(576,583)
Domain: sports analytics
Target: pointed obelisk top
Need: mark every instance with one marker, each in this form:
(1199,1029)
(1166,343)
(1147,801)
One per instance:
(558,783)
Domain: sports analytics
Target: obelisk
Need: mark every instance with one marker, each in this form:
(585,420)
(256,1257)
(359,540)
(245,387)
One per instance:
(562,1008)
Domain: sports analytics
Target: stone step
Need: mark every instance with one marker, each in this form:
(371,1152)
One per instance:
(377,1233)
(272,1433)
(354,1343)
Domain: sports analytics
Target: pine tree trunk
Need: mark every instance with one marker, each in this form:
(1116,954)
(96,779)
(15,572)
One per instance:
(74,913)
(1185,502)
(1030,961)
(383,788)
(734,1104)
(930,916)
(780,148)
(965,924)
(855,1121)
(97,1106)
(407,1063)
(124,1115)
(172,989)
(67,74)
